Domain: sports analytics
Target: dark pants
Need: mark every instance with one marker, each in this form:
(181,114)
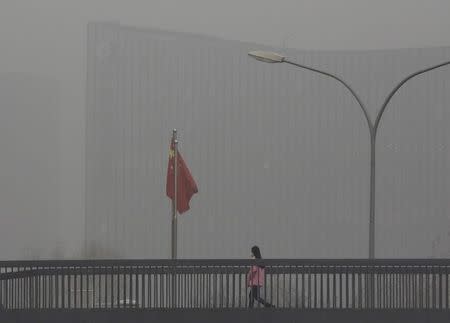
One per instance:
(254,295)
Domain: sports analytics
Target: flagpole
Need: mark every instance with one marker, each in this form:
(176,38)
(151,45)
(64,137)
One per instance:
(174,212)
(174,201)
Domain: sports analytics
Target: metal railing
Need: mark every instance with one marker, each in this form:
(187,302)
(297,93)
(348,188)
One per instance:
(162,284)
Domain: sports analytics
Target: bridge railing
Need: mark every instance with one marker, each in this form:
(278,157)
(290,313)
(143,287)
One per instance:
(287,283)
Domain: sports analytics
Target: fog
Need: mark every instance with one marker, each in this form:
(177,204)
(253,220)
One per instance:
(43,86)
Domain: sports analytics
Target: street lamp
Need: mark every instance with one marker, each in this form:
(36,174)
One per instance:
(269,57)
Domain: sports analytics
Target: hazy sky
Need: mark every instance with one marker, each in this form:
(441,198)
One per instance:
(43,41)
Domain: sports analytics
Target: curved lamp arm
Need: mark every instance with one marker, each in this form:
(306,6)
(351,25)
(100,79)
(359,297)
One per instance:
(399,85)
(270,57)
(361,104)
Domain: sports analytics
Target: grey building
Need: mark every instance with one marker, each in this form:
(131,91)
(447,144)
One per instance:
(280,155)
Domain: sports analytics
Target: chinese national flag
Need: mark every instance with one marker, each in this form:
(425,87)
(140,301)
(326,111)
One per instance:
(186,183)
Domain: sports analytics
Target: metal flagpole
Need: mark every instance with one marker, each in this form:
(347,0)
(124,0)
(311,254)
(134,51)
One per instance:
(174,214)
(174,201)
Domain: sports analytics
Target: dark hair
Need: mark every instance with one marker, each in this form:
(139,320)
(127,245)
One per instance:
(256,252)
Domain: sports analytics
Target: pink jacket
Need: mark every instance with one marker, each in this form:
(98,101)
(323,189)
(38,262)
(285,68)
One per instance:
(255,276)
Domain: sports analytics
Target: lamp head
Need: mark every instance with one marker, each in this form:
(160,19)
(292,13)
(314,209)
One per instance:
(267,57)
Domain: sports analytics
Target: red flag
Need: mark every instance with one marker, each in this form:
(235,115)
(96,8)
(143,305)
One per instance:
(186,185)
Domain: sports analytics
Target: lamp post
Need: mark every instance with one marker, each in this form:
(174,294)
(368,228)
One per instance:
(269,57)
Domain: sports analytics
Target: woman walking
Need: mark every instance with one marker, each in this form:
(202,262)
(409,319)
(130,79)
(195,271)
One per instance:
(255,280)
